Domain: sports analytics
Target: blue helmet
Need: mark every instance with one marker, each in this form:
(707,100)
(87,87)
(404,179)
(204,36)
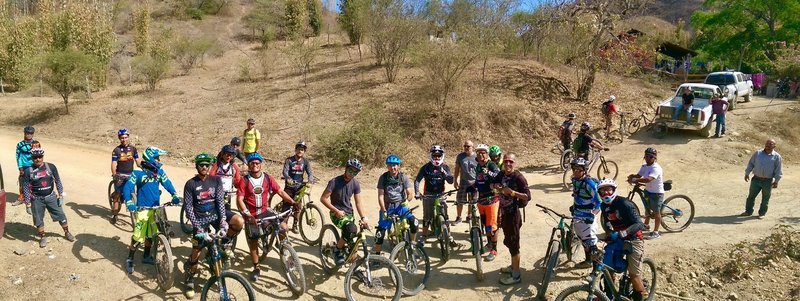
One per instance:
(393,159)
(254,157)
(229,149)
(123,131)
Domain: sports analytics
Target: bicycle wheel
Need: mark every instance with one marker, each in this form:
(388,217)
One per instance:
(649,278)
(186,224)
(607,170)
(327,245)
(311,222)
(444,238)
(477,243)
(414,265)
(111,194)
(229,286)
(634,126)
(551,260)
(573,246)
(581,292)
(293,269)
(567,178)
(162,252)
(382,281)
(566,159)
(677,213)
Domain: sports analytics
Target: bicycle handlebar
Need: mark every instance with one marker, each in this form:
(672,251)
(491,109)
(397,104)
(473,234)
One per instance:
(438,195)
(281,215)
(549,211)
(155,207)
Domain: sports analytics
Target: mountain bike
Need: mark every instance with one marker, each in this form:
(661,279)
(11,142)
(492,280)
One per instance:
(601,286)
(606,169)
(677,212)
(619,134)
(562,240)
(270,229)
(161,250)
(643,120)
(111,194)
(414,263)
(441,224)
(310,219)
(371,275)
(223,284)
(476,235)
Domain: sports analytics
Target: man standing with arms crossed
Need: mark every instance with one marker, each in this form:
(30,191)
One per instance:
(465,169)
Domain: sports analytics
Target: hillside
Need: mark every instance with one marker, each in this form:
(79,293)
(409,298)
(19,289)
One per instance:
(672,10)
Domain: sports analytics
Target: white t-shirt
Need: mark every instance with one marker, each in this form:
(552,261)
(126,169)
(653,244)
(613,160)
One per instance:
(654,171)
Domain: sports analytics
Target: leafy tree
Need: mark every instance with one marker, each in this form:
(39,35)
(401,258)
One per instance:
(267,20)
(67,71)
(314,8)
(189,51)
(353,20)
(296,18)
(444,64)
(392,30)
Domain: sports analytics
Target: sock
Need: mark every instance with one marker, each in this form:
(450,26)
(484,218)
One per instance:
(147,251)
(636,296)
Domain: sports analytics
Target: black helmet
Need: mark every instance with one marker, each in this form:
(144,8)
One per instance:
(651,151)
(29,130)
(236,141)
(580,161)
(301,144)
(571,116)
(228,149)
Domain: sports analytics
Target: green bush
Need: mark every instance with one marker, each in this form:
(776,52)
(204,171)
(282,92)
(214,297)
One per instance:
(190,51)
(150,69)
(369,139)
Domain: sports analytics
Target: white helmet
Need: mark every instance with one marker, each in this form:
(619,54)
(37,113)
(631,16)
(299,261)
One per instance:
(612,98)
(482,147)
(437,160)
(608,183)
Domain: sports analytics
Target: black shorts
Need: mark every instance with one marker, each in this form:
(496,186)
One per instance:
(511,224)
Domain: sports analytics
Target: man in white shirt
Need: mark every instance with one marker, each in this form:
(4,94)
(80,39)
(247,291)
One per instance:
(652,176)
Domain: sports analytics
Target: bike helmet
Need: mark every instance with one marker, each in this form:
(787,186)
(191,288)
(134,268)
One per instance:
(228,149)
(437,160)
(482,147)
(579,162)
(123,131)
(355,164)
(608,183)
(586,126)
(651,151)
(572,116)
(254,157)
(437,149)
(29,130)
(393,159)
(152,153)
(37,152)
(612,98)
(236,141)
(203,158)
(301,144)
(495,151)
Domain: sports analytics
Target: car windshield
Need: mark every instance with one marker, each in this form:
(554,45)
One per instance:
(720,79)
(699,92)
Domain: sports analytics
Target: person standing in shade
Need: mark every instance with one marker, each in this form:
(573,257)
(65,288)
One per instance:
(765,164)
(251,138)
(464,177)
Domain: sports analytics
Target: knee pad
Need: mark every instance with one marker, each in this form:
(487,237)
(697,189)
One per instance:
(349,231)
(489,230)
(413,225)
(379,236)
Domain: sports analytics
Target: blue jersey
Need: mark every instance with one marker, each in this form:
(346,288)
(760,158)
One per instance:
(148,193)
(584,192)
(24,154)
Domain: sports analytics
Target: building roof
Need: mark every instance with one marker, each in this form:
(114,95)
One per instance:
(675,51)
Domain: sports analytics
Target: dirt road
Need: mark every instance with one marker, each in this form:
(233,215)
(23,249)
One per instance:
(710,171)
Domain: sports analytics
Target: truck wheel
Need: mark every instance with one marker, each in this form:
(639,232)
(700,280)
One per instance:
(732,103)
(748,96)
(705,132)
(660,130)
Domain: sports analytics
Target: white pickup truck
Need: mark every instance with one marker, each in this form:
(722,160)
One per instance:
(700,119)
(734,84)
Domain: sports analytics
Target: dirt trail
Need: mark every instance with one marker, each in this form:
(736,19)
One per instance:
(715,185)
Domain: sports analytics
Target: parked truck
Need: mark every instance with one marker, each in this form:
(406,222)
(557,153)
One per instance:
(735,85)
(701,116)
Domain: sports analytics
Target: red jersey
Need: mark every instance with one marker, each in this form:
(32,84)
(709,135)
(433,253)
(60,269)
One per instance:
(256,192)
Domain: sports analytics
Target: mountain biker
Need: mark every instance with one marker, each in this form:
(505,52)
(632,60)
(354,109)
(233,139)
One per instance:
(235,143)
(123,157)
(394,193)
(336,198)
(252,198)
(435,173)
(624,223)
(586,204)
(652,176)
(230,177)
(514,194)
(294,168)
(488,205)
(496,155)
(583,142)
(609,108)
(251,137)
(204,199)
(42,190)
(566,129)
(465,169)
(23,156)
(148,194)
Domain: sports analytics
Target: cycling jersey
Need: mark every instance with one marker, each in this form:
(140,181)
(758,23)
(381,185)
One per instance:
(204,201)
(40,181)
(256,192)
(229,174)
(341,192)
(586,198)
(394,188)
(249,138)
(148,193)
(621,215)
(294,168)
(125,156)
(517,182)
(24,153)
(484,177)
(434,176)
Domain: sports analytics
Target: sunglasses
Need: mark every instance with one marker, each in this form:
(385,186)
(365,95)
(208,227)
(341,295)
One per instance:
(204,165)
(578,169)
(465,145)
(254,163)
(508,161)
(352,172)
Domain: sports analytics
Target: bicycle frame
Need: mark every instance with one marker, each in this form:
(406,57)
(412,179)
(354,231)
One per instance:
(563,228)
(272,228)
(160,215)
(637,188)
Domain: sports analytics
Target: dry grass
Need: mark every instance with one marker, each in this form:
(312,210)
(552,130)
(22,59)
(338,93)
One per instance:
(781,124)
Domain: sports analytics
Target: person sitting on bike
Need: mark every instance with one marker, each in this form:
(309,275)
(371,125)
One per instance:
(204,201)
(394,193)
(336,198)
(235,143)
(23,156)
(623,222)
(514,194)
(148,194)
(566,129)
(583,142)
(252,197)
(435,173)
(585,207)
(123,157)
(652,176)
(496,155)
(293,170)
(488,205)
(42,190)
(229,174)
